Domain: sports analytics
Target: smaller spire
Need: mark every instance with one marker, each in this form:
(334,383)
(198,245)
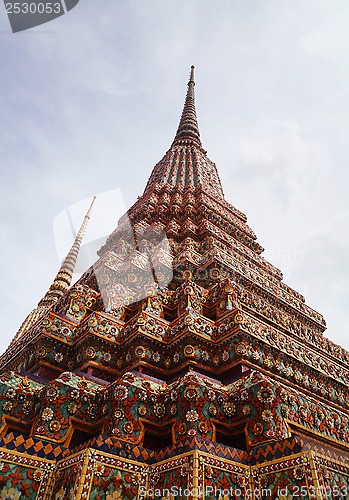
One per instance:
(64,276)
(62,281)
(188,127)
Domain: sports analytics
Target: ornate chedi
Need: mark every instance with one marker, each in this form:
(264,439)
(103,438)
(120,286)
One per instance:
(179,365)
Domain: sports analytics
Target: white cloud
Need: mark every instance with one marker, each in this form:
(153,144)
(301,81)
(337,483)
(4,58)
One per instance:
(314,43)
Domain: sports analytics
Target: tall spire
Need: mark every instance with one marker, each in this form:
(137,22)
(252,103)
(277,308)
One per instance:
(64,276)
(188,127)
(62,281)
(186,162)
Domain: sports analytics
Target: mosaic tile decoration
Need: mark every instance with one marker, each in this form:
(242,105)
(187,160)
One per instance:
(179,360)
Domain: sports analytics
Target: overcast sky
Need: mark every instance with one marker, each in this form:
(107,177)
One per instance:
(91,101)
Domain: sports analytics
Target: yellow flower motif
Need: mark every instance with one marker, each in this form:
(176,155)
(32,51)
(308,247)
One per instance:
(7,406)
(99,469)
(47,414)
(267,415)
(10,494)
(192,415)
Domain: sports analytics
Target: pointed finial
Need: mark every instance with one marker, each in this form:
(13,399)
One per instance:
(188,127)
(191,79)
